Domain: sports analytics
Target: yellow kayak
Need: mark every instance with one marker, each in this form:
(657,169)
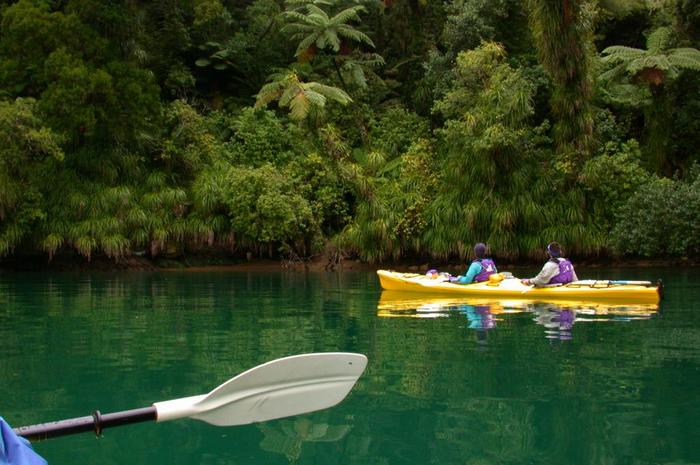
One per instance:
(512,288)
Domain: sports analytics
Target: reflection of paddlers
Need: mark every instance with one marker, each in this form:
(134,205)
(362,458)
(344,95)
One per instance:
(558,322)
(479,316)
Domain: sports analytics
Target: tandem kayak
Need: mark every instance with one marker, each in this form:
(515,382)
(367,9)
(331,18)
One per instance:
(512,288)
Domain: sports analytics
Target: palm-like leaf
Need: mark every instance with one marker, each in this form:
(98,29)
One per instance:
(659,40)
(351,33)
(311,25)
(299,105)
(349,14)
(301,97)
(685,58)
(621,53)
(639,63)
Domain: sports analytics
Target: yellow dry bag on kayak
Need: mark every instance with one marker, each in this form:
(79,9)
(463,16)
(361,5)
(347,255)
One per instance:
(495,279)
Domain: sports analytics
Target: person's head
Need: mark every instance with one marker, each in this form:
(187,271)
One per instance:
(554,250)
(480,250)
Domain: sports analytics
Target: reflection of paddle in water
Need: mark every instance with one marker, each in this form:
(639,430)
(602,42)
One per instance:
(287,437)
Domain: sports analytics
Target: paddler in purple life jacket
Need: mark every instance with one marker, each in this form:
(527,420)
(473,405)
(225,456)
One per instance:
(480,269)
(557,270)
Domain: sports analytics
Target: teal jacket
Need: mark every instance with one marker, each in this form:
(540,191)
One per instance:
(474,269)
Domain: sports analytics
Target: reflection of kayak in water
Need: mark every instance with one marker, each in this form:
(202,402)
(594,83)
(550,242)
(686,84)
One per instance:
(512,288)
(396,300)
(396,303)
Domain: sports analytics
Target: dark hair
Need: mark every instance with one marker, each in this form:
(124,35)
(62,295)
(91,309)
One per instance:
(554,249)
(480,250)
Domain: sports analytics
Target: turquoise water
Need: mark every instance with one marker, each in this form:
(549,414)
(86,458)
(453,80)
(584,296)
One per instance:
(446,383)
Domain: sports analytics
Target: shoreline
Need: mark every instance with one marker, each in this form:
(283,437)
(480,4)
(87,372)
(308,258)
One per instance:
(217,263)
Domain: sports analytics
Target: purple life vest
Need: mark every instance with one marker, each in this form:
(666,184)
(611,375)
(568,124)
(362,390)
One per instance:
(566,272)
(488,267)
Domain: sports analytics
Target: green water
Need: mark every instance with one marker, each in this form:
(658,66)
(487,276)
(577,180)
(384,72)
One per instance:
(445,384)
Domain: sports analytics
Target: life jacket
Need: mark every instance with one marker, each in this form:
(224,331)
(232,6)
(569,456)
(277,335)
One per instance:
(566,271)
(488,267)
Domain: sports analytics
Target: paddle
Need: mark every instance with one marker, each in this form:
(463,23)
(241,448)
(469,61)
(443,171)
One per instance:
(635,283)
(609,283)
(276,389)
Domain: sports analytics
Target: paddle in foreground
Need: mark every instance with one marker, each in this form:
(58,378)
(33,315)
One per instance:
(276,389)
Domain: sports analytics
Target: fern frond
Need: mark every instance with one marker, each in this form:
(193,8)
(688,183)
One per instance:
(268,93)
(372,60)
(317,12)
(686,58)
(315,98)
(293,15)
(288,94)
(305,43)
(333,93)
(617,53)
(328,39)
(354,73)
(353,34)
(613,73)
(295,29)
(299,106)
(658,40)
(317,21)
(349,14)
(306,2)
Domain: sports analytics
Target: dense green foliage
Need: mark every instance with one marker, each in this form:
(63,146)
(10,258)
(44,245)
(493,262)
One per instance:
(672,229)
(383,130)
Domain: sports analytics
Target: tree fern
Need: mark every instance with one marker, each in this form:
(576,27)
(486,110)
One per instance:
(563,35)
(652,69)
(311,25)
(301,97)
(657,56)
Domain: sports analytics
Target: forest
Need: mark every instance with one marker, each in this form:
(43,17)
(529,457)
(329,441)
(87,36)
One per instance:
(378,130)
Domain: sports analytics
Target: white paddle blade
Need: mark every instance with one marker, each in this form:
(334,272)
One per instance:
(277,389)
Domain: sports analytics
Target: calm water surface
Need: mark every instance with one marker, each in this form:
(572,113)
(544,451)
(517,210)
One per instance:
(447,382)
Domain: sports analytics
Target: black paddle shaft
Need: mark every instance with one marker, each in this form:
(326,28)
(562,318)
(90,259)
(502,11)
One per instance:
(96,422)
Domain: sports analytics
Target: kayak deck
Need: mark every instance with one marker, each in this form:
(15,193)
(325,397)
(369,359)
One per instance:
(589,290)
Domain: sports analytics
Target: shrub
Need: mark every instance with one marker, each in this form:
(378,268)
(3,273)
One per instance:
(661,218)
(611,177)
(265,206)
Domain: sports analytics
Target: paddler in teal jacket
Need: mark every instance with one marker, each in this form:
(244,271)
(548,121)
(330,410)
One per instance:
(480,269)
